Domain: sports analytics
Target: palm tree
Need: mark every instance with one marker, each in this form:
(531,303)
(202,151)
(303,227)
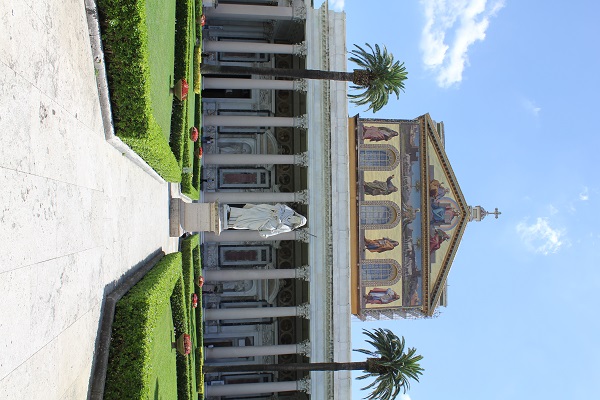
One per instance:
(388,363)
(378,77)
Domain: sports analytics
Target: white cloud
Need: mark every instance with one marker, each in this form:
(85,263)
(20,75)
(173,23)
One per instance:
(584,195)
(466,21)
(404,397)
(531,107)
(552,210)
(540,237)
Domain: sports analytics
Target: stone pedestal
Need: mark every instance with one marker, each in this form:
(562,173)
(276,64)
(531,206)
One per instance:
(187,216)
(201,217)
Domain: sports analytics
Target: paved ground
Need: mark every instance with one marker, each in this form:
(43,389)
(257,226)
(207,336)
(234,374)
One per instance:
(75,214)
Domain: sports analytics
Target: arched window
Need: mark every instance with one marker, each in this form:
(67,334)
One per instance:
(378,157)
(377,272)
(376,214)
(380,272)
(379,214)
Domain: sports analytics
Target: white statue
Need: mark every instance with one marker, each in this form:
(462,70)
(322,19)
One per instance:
(268,220)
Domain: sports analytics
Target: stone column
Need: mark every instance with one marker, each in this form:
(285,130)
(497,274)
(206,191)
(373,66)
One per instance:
(211,314)
(257,197)
(253,159)
(254,47)
(242,235)
(256,351)
(238,274)
(237,83)
(253,13)
(253,120)
(256,388)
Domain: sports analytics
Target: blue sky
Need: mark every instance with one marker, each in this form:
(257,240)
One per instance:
(516,84)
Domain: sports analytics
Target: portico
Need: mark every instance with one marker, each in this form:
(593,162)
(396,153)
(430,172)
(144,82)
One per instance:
(272,299)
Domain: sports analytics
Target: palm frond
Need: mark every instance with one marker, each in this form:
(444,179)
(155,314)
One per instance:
(386,76)
(394,366)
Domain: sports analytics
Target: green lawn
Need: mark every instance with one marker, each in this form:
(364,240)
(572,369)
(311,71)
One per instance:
(162,358)
(139,318)
(125,39)
(197,323)
(190,251)
(160,18)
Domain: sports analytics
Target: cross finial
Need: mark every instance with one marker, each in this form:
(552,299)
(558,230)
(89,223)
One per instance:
(496,212)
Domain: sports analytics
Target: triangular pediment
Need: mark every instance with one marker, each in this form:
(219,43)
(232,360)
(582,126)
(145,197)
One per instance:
(444,210)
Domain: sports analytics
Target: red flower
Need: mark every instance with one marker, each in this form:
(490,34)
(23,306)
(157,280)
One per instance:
(199,152)
(187,344)
(193,134)
(184,89)
(200,281)
(194,300)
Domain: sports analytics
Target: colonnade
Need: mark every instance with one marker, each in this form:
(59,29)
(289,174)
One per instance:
(245,12)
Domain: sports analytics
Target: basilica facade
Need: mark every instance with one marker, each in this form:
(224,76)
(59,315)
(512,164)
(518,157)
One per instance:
(384,211)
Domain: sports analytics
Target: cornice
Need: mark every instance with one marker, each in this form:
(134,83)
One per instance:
(428,128)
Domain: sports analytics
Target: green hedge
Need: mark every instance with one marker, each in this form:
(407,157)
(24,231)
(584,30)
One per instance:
(136,315)
(125,41)
(182,325)
(183,37)
(199,327)
(188,246)
(155,150)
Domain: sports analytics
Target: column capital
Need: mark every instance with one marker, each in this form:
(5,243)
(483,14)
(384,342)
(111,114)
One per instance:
(302,235)
(304,385)
(303,273)
(304,310)
(301,159)
(300,85)
(304,347)
(301,196)
(298,10)
(300,49)
(301,121)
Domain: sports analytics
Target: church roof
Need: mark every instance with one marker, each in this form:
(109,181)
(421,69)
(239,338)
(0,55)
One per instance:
(442,190)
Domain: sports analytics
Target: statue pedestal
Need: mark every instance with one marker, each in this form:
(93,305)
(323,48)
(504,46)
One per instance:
(201,217)
(187,216)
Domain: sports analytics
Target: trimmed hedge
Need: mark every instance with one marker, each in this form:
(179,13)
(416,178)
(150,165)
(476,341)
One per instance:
(125,41)
(155,150)
(188,246)
(183,37)
(182,325)
(199,327)
(136,317)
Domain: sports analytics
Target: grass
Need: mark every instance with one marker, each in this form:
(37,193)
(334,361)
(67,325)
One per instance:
(188,246)
(181,318)
(192,269)
(162,357)
(140,79)
(197,320)
(161,40)
(154,313)
(125,39)
(132,366)
(184,115)
(197,170)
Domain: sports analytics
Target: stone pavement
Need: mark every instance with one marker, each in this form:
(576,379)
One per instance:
(75,214)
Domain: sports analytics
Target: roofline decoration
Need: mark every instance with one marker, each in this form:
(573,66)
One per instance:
(431,299)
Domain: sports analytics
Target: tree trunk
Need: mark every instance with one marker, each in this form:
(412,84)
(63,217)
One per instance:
(207,69)
(293,367)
